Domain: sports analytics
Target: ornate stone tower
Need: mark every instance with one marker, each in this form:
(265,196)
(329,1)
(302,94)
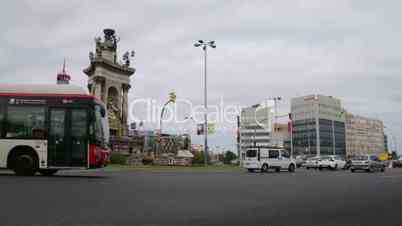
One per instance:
(63,78)
(109,80)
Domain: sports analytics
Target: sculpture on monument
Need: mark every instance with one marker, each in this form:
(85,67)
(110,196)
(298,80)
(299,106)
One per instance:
(109,80)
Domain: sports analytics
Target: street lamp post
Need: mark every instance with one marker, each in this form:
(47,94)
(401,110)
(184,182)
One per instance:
(204,45)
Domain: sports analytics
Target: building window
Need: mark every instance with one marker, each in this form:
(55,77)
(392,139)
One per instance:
(26,122)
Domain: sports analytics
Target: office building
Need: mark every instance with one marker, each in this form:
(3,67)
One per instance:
(364,135)
(318,125)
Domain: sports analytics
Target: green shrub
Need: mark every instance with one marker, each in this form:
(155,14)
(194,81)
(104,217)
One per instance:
(229,156)
(117,158)
(198,158)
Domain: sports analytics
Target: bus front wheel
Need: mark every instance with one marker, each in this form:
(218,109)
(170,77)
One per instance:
(25,165)
(47,172)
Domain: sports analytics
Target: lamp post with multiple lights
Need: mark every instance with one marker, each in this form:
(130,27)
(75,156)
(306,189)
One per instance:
(204,46)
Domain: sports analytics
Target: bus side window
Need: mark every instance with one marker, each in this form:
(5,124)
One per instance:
(1,118)
(26,122)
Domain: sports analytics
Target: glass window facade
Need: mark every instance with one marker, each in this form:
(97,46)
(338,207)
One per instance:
(305,137)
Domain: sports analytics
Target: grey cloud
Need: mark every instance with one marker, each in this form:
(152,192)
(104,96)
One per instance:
(348,49)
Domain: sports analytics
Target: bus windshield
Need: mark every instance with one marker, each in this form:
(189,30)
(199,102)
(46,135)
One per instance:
(101,126)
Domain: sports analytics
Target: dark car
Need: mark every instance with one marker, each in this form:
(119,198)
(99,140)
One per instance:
(368,163)
(348,164)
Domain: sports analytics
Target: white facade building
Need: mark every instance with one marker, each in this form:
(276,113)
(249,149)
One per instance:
(255,126)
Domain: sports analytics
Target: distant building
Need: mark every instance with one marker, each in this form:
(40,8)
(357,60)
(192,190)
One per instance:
(257,129)
(364,135)
(255,126)
(318,125)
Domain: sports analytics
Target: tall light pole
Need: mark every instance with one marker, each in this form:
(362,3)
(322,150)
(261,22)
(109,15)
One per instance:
(204,46)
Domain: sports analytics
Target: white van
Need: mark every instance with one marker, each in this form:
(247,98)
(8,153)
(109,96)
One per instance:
(264,158)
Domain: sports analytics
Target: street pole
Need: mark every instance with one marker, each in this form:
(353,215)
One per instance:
(160,129)
(291,135)
(275,122)
(333,137)
(238,137)
(307,126)
(255,134)
(206,109)
(204,45)
(317,129)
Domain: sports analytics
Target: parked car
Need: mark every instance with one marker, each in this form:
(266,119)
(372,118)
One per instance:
(262,159)
(312,162)
(331,162)
(368,163)
(300,160)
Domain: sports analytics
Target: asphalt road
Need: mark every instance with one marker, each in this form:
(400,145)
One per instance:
(177,197)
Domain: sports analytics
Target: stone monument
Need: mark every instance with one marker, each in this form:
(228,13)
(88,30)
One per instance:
(109,81)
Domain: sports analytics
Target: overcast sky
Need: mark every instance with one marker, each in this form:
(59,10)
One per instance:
(347,49)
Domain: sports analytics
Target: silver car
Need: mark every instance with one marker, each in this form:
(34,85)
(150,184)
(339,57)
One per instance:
(368,163)
(312,162)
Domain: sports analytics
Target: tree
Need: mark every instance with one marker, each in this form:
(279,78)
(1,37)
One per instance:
(198,157)
(229,156)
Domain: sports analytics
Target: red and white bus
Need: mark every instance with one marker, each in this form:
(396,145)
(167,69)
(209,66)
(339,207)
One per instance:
(46,128)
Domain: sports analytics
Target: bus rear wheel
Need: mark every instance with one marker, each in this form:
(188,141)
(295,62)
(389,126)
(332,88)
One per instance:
(24,165)
(47,172)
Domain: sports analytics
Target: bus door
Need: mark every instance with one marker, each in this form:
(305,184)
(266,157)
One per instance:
(68,137)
